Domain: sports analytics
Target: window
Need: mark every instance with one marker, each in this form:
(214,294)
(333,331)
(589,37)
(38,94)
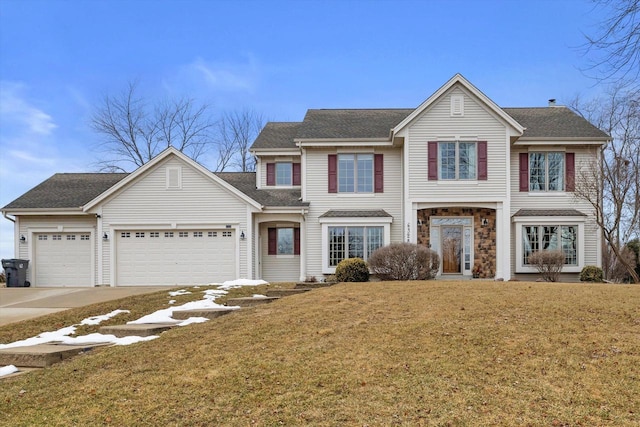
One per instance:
(183,234)
(56,237)
(197,234)
(71,237)
(457,160)
(355,173)
(351,242)
(154,234)
(212,234)
(168,234)
(283,174)
(42,237)
(550,237)
(140,235)
(283,241)
(226,234)
(546,171)
(84,237)
(125,235)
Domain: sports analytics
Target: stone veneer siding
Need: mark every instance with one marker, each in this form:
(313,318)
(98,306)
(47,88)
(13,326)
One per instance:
(484,237)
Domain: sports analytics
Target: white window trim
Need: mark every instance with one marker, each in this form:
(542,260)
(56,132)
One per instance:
(520,222)
(457,179)
(355,155)
(347,222)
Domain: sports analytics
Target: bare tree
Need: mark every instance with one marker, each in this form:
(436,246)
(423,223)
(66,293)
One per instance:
(615,49)
(612,184)
(238,130)
(134,132)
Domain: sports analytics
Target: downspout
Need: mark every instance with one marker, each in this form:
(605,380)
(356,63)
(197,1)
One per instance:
(4,214)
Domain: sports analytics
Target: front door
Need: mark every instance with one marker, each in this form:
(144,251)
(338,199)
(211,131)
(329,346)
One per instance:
(451,249)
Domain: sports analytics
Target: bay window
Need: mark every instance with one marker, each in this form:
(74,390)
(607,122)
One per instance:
(353,241)
(548,238)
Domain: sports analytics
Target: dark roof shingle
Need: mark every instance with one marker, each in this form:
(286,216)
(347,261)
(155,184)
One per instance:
(378,213)
(365,123)
(277,135)
(66,190)
(246,183)
(554,122)
(549,212)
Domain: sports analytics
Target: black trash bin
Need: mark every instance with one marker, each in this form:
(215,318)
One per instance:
(16,272)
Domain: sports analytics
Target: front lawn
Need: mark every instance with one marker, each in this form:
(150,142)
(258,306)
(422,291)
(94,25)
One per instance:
(377,354)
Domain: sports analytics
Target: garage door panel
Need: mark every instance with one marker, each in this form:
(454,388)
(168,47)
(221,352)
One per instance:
(62,259)
(162,257)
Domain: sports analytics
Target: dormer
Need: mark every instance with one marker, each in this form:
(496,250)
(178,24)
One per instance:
(277,157)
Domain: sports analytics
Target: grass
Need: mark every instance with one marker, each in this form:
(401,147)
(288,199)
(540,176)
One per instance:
(376,354)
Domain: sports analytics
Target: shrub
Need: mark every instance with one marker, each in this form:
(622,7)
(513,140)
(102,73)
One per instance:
(3,278)
(352,270)
(404,261)
(591,273)
(548,263)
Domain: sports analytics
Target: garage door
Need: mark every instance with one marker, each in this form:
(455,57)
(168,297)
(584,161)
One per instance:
(170,257)
(62,259)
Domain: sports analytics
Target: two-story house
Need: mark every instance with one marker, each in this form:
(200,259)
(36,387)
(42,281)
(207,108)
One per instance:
(479,184)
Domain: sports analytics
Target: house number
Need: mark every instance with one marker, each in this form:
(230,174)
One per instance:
(408,232)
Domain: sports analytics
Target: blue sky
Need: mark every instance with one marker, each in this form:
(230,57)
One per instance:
(59,58)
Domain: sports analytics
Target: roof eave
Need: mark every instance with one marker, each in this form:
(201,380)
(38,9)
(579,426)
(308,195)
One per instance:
(562,141)
(343,142)
(44,211)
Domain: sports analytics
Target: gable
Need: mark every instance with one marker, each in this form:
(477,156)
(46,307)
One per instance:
(182,160)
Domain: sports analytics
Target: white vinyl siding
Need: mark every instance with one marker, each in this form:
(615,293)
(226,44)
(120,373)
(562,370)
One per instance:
(437,124)
(321,200)
(147,205)
(556,200)
(278,268)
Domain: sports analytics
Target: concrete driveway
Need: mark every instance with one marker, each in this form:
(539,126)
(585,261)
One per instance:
(18,304)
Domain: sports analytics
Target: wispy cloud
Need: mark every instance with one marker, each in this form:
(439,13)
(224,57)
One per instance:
(242,76)
(14,107)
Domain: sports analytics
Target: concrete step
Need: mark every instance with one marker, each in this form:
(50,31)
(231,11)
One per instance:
(250,301)
(286,292)
(209,313)
(313,285)
(42,355)
(136,330)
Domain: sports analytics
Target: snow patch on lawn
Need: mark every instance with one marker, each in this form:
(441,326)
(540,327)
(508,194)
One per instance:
(8,370)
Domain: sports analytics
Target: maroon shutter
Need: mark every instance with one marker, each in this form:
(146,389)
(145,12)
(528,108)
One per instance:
(524,171)
(296,241)
(378,164)
(570,163)
(271,174)
(333,173)
(296,174)
(273,241)
(433,160)
(482,160)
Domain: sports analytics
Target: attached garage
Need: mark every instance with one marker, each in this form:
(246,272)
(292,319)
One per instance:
(175,257)
(62,259)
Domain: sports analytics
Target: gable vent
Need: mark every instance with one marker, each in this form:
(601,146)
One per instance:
(174,178)
(457,105)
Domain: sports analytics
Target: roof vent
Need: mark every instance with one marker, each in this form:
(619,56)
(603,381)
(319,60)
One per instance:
(552,102)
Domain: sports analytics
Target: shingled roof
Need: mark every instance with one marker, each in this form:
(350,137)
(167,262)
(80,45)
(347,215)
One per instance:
(246,182)
(540,122)
(554,122)
(277,135)
(66,190)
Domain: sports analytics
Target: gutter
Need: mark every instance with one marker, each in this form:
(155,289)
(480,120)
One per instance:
(4,214)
